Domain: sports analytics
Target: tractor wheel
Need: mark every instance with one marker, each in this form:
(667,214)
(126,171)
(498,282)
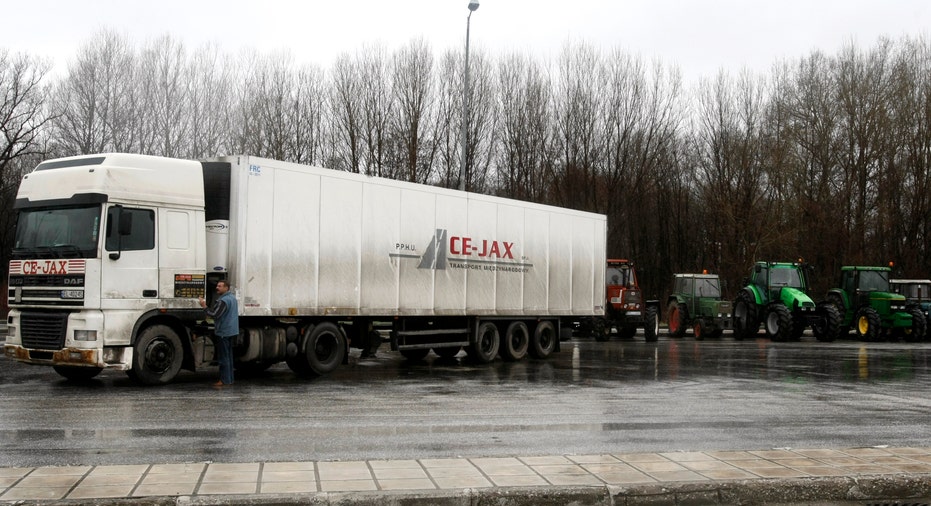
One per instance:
(919,326)
(838,303)
(778,322)
(677,316)
(651,324)
(746,316)
(601,331)
(867,324)
(827,327)
(698,330)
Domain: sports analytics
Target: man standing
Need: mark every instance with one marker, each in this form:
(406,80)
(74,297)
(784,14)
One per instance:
(225,314)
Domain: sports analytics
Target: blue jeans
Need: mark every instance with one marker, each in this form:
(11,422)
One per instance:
(224,346)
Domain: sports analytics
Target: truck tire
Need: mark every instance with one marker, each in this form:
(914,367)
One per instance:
(157,355)
(746,322)
(919,326)
(543,341)
(516,342)
(74,373)
(867,324)
(778,322)
(651,324)
(487,341)
(678,319)
(325,348)
(827,327)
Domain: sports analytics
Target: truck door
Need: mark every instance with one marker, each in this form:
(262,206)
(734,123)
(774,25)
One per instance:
(129,275)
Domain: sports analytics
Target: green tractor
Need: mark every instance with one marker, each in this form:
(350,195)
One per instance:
(867,303)
(777,295)
(917,294)
(696,301)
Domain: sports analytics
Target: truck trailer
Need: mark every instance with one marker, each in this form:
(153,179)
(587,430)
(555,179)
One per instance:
(112,252)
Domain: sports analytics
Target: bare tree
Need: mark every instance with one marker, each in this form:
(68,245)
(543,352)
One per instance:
(307,117)
(165,101)
(525,154)
(95,102)
(578,112)
(210,102)
(413,89)
(346,114)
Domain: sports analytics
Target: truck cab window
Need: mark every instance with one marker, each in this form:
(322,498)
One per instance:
(141,234)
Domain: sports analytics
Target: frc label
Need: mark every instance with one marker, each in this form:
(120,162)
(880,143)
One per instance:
(46,267)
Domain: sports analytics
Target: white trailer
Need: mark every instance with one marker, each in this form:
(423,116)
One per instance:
(113,250)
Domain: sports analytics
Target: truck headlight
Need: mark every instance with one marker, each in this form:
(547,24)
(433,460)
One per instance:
(85,335)
(72,294)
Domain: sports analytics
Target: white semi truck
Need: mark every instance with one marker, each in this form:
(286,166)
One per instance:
(112,252)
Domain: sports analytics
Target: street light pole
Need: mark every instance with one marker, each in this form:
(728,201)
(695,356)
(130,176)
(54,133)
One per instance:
(473,5)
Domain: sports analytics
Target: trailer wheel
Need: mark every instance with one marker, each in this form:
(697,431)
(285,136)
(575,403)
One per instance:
(157,355)
(325,348)
(544,340)
(74,373)
(516,342)
(487,342)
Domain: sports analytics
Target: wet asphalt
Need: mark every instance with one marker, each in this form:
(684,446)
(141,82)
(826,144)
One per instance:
(621,396)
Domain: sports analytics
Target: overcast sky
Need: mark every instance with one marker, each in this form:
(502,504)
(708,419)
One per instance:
(699,36)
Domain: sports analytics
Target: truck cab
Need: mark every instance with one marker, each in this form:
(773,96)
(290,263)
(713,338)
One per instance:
(106,251)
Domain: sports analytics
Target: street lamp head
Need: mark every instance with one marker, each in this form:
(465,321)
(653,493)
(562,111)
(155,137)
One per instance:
(473,5)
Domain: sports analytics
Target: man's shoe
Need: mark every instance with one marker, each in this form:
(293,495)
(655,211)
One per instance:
(218,384)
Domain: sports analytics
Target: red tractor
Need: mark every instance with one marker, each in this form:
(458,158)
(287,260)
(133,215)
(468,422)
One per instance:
(625,308)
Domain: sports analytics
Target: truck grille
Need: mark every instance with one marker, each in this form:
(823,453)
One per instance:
(44,331)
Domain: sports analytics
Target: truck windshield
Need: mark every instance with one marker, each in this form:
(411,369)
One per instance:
(874,281)
(64,232)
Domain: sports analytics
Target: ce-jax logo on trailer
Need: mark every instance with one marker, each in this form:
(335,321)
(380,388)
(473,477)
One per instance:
(462,252)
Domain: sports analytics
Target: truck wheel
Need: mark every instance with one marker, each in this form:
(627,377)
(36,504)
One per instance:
(778,322)
(827,327)
(650,324)
(74,373)
(678,318)
(485,347)
(447,351)
(157,355)
(919,326)
(543,341)
(867,324)
(516,342)
(325,348)
(746,323)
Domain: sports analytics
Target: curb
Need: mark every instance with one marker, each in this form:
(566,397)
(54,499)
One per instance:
(915,489)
